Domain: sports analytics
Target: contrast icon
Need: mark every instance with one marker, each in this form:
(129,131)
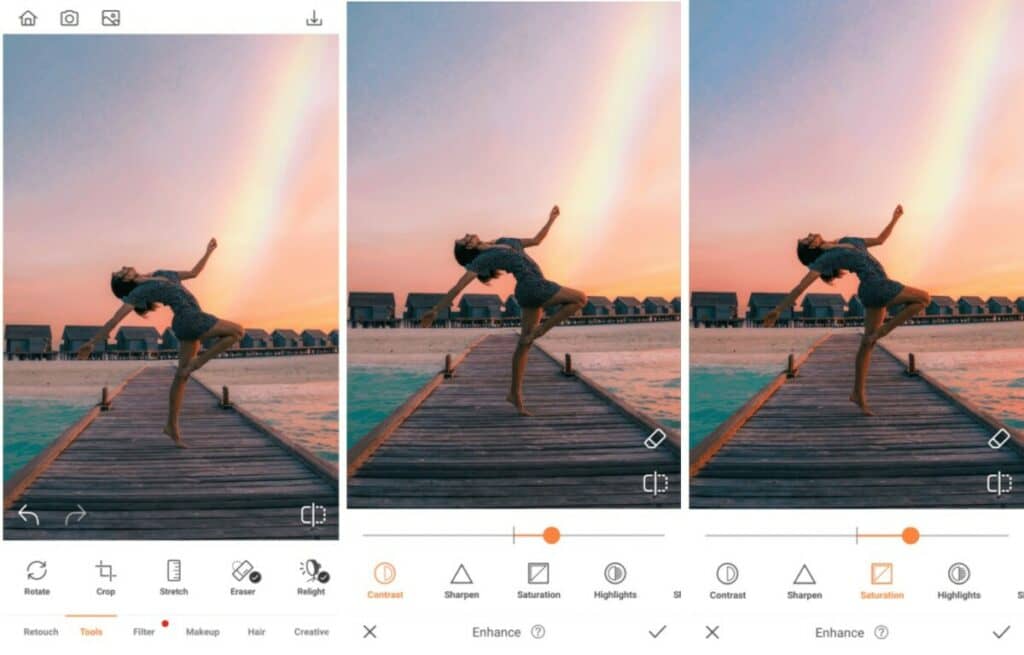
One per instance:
(727,573)
(385,573)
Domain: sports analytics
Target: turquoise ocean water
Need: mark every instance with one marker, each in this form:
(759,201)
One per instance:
(649,380)
(993,380)
(306,412)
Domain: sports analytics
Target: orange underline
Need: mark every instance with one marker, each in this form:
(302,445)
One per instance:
(519,534)
(90,616)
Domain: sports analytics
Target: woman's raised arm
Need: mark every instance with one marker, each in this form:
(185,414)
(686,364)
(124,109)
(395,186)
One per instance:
(87,348)
(808,280)
(884,236)
(540,236)
(431,315)
(201,264)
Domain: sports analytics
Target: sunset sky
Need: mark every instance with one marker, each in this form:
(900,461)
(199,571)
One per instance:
(478,118)
(136,150)
(822,116)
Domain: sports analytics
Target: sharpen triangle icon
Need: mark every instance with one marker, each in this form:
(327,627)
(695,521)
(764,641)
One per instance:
(804,576)
(462,576)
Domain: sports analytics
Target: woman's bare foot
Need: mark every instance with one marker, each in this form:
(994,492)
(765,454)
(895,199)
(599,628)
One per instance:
(517,401)
(862,403)
(175,434)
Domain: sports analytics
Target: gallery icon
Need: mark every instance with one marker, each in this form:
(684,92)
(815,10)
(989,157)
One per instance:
(727,573)
(36,570)
(314,571)
(69,18)
(881,573)
(110,18)
(244,569)
(385,573)
(538,573)
(106,571)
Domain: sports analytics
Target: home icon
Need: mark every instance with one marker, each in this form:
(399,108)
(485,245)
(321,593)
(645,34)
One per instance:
(28,19)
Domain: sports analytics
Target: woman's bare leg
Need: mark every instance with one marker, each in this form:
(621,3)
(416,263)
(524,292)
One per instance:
(571,301)
(914,301)
(229,334)
(186,352)
(873,317)
(531,316)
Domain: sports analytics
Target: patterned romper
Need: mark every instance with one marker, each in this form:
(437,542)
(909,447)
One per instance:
(876,289)
(532,290)
(190,322)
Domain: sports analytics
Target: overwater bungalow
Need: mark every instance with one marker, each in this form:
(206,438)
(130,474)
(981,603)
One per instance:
(371,308)
(418,304)
(823,305)
(76,336)
(941,306)
(714,306)
(132,338)
(284,338)
(598,306)
(28,339)
(762,302)
(628,306)
(257,338)
(971,305)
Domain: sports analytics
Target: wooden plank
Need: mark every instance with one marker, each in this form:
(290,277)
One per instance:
(238,479)
(805,445)
(459,443)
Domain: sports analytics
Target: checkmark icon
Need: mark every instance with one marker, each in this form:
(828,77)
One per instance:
(655,635)
(999,635)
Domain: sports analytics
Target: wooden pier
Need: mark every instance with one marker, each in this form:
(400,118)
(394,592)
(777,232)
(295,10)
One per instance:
(800,442)
(239,478)
(458,443)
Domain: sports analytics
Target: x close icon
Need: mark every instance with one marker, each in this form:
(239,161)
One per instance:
(712,632)
(370,632)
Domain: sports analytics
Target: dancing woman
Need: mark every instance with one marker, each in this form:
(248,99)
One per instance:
(485,260)
(141,293)
(829,260)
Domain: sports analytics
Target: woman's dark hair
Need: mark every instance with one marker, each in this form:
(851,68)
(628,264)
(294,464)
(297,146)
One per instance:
(465,255)
(121,288)
(808,255)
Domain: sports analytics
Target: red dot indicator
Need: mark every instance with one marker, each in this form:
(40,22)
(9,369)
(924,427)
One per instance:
(165,623)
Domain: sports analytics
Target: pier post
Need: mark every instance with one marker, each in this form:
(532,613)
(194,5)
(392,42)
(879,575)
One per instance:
(791,366)
(104,400)
(225,398)
(568,365)
(448,365)
(911,365)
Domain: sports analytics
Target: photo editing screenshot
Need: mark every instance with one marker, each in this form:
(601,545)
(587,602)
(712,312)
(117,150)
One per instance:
(377,326)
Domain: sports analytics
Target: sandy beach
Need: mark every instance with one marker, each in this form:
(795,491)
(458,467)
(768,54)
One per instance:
(74,379)
(414,345)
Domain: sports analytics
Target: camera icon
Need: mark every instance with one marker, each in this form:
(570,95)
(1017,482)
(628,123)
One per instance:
(69,18)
